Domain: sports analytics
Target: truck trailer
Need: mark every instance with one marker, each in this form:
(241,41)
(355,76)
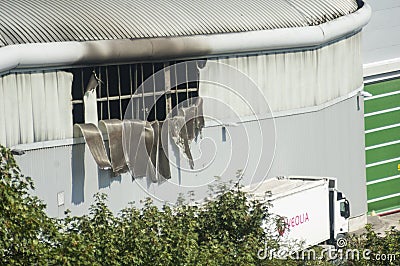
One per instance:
(312,209)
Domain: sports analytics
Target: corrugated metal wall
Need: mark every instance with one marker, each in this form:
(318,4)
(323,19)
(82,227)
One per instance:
(288,81)
(382,141)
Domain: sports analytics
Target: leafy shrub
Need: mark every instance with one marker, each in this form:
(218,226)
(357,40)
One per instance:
(382,249)
(25,229)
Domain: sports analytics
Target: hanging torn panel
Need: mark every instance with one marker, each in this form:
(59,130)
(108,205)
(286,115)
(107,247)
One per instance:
(113,128)
(160,160)
(138,138)
(94,140)
(186,126)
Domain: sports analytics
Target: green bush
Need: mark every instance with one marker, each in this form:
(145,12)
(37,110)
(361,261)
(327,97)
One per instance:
(25,229)
(382,249)
(225,231)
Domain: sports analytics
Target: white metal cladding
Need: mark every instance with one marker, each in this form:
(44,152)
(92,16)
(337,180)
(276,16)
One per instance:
(23,21)
(288,81)
(35,107)
(381,38)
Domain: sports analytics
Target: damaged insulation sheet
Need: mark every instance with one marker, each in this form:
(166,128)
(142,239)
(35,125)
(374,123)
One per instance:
(113,128)
(159,155)
(187,126)
(144,150)
(142,146)
(138,142)
(94,139)
(95,142)
(194,118)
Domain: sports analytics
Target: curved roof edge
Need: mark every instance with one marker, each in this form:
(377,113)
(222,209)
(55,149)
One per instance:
(61,54)
(42,21)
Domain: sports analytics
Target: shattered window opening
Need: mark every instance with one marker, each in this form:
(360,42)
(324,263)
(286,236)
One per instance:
(118,84)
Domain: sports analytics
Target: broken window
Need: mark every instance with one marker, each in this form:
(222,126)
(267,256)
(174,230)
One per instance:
(104,93)
(118,84)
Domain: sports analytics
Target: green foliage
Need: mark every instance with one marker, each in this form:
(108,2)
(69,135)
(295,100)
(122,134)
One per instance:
(25,229)
(382,249)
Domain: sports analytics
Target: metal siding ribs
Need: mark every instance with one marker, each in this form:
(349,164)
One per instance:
(40,21)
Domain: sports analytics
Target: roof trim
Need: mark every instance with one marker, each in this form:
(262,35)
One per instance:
(43,21)
(62,54)
(381,67)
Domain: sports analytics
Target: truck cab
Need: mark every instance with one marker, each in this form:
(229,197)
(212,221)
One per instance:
(340,220)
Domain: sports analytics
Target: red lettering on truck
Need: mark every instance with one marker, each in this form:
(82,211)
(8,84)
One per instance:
(284,223)
(297,220)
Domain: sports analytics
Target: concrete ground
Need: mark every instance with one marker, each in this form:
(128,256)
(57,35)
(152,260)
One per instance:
(382,223)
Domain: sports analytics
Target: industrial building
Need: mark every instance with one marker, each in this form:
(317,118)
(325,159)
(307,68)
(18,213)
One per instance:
(281,81)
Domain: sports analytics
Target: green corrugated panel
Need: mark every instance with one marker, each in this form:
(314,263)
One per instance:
(382,171)
(385,205)
(383,87)
(383,103)
(378,172)
(382,120)
(383,154)
(383,188)
(382,136)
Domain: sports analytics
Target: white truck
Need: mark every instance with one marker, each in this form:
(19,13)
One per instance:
(312,208)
